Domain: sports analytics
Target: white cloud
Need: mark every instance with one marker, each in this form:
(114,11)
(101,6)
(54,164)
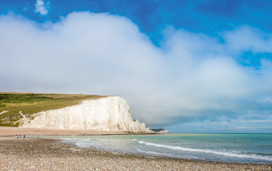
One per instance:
(248,39)
(191,75)
(41,7)
(239,124)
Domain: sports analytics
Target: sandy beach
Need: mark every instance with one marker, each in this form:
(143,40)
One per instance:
(12,131)
(50,154)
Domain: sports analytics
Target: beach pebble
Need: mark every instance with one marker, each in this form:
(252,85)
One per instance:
(46,154)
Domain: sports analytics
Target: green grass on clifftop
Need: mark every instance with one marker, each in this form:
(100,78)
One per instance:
(29,103)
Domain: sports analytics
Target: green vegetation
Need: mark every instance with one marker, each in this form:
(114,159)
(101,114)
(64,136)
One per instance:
(20,98)
(29,103)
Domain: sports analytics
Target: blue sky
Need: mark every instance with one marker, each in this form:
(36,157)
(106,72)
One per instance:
(202,16)
(188,66)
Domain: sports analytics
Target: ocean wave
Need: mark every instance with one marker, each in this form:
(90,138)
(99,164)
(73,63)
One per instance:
(229,154)
(154,153)
(86,144)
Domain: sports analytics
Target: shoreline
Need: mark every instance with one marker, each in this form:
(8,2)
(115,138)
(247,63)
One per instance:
(53,154)
(12,131)
(166,157)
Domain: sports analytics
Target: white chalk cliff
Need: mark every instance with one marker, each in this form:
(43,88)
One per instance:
(104,114)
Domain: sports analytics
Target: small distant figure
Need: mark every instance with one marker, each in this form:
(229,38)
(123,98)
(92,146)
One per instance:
(24,136)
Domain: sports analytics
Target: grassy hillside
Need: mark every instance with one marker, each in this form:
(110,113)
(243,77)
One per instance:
(28,103)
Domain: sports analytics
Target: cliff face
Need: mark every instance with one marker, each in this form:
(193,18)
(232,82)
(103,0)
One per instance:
(104,114)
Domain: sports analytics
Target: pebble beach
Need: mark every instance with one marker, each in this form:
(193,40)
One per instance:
(51,154)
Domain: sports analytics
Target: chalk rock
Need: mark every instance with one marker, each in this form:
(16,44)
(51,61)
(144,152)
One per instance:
(104,114)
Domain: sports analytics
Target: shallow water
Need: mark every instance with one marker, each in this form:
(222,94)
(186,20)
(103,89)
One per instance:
(241,148)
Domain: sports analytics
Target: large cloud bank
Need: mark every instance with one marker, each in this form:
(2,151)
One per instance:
(189,75)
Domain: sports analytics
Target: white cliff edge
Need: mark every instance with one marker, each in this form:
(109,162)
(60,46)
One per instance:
(104,114)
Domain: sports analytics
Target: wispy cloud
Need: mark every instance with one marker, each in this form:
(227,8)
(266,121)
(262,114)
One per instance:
(223,124)
(41,7)
(190,76)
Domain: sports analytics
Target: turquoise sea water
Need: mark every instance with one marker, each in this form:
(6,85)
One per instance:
(242,148)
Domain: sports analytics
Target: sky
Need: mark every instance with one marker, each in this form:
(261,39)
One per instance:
(201,66)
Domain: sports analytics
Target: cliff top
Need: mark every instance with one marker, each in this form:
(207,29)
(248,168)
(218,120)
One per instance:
(29,103)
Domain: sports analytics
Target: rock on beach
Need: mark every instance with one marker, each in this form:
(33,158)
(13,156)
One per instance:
(50,154)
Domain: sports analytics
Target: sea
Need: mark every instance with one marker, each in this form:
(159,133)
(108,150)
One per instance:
(234,148)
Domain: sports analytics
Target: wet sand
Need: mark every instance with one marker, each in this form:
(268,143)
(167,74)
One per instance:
(49,154)
(12,131)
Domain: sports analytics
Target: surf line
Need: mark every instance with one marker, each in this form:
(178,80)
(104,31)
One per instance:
(258,157)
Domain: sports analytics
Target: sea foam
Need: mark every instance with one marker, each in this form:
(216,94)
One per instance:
(229,154)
